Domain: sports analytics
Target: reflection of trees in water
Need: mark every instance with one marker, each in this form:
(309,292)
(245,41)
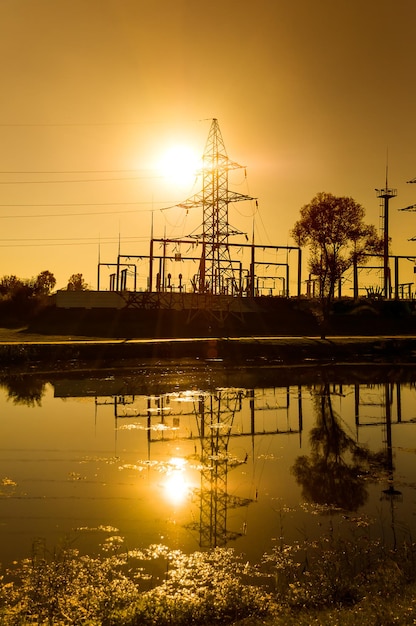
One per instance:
(333,474)
(26,390)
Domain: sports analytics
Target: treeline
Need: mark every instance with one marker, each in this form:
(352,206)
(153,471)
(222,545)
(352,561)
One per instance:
(21,298)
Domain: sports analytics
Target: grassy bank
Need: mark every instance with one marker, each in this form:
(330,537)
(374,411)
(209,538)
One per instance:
(332,581)
(373,610)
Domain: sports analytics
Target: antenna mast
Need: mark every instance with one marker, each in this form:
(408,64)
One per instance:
(385,195)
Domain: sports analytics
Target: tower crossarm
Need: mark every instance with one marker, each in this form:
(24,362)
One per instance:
(411,207)
(193,202)
(197,200)
(233,196)
(220,160)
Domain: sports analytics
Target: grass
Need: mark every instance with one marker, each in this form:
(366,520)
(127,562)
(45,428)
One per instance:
(329,581)
(372,610)
(155,586)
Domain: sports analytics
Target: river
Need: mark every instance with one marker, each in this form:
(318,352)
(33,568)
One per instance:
(196,456)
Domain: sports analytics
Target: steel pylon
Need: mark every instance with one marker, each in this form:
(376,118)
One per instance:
(215,421)
(216,274)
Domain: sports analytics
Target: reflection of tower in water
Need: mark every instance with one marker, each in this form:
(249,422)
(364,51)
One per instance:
(385,403)
(220,416)
(391,493)
(214,413)
(215,422)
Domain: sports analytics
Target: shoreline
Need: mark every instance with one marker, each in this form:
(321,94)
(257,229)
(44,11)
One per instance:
(20,348)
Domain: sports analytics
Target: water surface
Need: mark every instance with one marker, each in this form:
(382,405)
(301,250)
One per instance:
(196,457)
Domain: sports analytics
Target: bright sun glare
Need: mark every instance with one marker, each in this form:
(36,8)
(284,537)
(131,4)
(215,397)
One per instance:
(176,485)
(179,165)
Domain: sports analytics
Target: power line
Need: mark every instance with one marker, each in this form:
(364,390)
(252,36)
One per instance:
(44,245)
(118,171)
(56,204)
(83,214)
(146,123)
(79,180)
(64,124)
(96,238)
(59,243)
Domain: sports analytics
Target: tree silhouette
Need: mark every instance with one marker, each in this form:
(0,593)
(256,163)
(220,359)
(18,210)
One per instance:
(10,285)
(44,283)
(332,475)
(76,282)
(25,390)
(334,229)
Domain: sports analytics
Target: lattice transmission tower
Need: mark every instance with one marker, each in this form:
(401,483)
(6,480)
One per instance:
(215,421)
(216,273)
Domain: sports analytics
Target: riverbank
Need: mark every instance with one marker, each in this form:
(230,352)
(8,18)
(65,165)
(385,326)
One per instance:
(20,347)
(162,315)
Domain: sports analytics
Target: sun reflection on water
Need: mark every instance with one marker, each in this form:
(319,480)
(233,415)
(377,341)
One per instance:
(176,486)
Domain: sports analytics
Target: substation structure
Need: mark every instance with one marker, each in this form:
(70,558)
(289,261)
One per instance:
(392,285)
(212,264)
(167,269)
(218,279)
(162,271)
(215,277)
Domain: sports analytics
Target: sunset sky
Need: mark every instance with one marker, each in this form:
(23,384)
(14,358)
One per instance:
(310,96)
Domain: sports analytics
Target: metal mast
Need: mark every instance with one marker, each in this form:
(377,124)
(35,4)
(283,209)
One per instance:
(385,195)
(216,273)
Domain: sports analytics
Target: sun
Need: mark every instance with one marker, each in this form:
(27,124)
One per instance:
(180,164)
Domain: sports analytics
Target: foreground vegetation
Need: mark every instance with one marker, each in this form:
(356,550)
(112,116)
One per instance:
(330,581)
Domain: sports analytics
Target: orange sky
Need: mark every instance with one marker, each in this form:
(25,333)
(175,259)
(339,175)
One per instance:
(309,96)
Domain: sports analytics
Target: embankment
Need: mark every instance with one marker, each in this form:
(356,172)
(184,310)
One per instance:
(261,350)
(234,317)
